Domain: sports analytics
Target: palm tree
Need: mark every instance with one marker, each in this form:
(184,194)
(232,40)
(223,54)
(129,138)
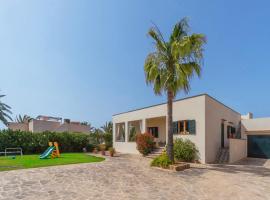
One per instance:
(172,65)
(107,127)
(4,112)
(23,119)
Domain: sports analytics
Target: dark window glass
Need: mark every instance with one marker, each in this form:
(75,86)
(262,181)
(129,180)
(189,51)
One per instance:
(182,126)
(191,126)
(153,131)
(175,127)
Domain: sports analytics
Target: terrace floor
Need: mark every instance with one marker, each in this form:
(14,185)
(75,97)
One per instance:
(130,177)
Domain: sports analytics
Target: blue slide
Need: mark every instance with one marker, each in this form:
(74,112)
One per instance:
(47,153)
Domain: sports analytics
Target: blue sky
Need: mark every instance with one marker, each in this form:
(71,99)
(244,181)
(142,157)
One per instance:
(84,59)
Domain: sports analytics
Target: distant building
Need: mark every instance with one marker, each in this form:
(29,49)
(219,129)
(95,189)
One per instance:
(48,123)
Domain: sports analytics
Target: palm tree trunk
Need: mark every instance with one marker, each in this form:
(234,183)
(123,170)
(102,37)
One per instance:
(170,152)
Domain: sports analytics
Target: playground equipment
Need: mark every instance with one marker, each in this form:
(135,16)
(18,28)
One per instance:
(12,152)
(52,151)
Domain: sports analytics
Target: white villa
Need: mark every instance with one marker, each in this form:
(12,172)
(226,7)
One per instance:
(207,122)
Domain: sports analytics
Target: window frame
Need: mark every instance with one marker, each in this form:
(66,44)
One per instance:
(183,127)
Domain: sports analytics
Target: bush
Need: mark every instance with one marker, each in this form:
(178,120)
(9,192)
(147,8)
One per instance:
(108,140)
(185,150)
(161,161)
(90,147)
(35,143)
(145,143)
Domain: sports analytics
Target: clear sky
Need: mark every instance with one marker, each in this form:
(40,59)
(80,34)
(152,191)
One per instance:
(83,59)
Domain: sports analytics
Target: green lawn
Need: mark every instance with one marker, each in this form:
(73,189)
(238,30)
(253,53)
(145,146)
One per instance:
(33,161)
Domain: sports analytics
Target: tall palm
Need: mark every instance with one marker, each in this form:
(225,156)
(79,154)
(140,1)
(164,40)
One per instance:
(4,112)
(172,65)
(107,127)
(23,119)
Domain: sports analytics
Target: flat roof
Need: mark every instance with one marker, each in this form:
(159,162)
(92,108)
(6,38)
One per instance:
(257,124)
(182,99)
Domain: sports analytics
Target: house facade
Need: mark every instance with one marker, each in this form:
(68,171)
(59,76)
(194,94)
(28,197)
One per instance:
(205,121)
(48,123)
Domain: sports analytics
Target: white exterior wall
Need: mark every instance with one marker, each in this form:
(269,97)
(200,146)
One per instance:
(215,113)
(206,111)
(143,114)
(187,109)
(237,150)
(192,109)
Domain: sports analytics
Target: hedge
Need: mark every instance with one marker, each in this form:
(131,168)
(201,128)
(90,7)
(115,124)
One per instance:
(35,143)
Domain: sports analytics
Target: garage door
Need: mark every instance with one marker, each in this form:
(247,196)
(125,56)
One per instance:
(259,146)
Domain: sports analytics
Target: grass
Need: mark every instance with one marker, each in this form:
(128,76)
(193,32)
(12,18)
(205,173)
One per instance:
(33,161)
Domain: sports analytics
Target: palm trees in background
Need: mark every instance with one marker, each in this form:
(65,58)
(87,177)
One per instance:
(172,65)
(107,127)
(23,119)
(4,112)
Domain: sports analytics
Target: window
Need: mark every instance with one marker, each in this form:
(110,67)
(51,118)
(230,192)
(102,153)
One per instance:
(120,132)
(134,127)
(184,127)
(231,132)
(153,131)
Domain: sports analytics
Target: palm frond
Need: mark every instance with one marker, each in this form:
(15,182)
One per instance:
(4,112)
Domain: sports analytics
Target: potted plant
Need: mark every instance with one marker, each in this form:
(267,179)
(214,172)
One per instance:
(112,151)
(95,151)
(102,148)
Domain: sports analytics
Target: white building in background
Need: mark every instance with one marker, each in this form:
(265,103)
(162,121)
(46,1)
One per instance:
(207,122)
(47,123)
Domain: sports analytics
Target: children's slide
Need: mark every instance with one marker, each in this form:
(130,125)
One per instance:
(47,153)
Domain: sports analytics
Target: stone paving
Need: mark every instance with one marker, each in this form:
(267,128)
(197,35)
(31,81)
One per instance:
(130,177)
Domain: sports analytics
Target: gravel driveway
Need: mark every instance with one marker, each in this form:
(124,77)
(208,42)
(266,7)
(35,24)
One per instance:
(130,177)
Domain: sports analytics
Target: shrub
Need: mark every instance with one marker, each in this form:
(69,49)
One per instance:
(89,147)
(108,140)
(185,150)
(145,143)
(96,137)
(161,161)
(34,143)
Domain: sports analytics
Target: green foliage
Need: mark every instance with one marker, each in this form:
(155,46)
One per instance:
(185,150)
(33,143)
(4,112)
(175,61)
(23,119)
(107,127)
(108,139)
(96,137)
(132,135)
(161,161)
(145,143)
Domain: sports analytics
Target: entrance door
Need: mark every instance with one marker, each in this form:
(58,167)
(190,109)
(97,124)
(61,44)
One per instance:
(259,146)
(222,135)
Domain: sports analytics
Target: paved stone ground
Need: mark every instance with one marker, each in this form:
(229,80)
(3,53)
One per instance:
(130,177)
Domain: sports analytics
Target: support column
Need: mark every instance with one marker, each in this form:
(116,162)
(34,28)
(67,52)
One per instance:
(126,131)
(143,125)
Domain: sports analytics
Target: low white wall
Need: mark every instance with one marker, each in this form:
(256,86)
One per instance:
(126,147)
(238,149)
